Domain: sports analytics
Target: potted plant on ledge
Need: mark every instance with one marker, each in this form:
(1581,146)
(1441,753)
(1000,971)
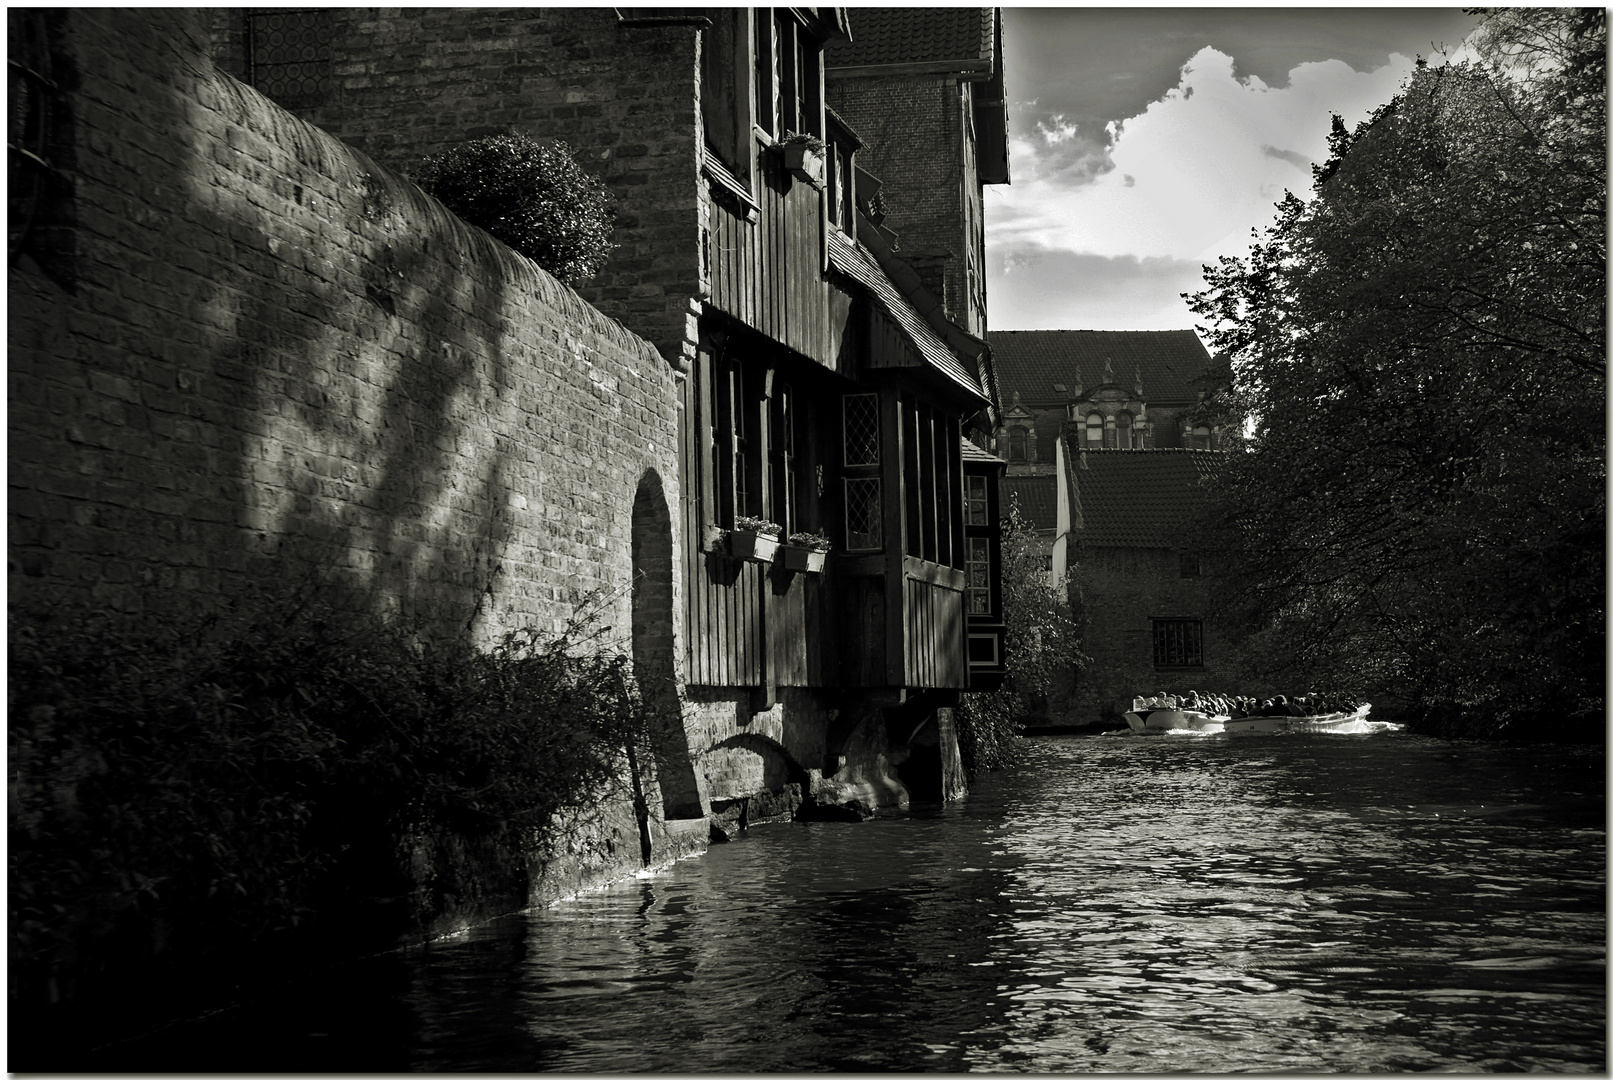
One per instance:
(753,539)
(803,156)
(806,552)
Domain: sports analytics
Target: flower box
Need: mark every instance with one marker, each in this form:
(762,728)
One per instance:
(752,546)
(803,156)
(806,560)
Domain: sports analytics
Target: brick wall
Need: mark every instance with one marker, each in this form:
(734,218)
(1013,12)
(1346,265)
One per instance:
(273,353)
(911,132)
(1119,589)
(407,83)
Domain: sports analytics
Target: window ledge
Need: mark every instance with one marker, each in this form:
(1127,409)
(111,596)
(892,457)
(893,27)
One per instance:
(726,184)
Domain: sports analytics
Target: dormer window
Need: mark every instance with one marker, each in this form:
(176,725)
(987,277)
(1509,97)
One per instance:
(1199,438)
(1017,438)
(1094,430)
(1123,430)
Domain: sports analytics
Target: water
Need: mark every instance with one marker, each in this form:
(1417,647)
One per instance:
(1377,902)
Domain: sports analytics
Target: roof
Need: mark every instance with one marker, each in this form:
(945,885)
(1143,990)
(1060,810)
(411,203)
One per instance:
(1029,362)
(1038,498)
(949,38)
(971,452)
(1137,498)
(851,259)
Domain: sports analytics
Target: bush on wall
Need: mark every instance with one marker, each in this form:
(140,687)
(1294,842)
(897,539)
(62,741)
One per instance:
(531,195)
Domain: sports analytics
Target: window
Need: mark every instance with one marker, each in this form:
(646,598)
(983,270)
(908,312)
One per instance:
(979,575)
(1188,565)
(860,449)
(1178,643)
(1123,430)
(289,54)
(1094,430)
(767,73)
(725,90)
(1199,439)
(975,502)
(781,436)
(1016,443)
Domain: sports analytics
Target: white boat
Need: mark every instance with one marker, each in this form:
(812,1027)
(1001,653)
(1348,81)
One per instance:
(1261,725)
(1154,721)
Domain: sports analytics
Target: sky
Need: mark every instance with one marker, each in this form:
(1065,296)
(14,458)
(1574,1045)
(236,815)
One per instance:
(1146,142)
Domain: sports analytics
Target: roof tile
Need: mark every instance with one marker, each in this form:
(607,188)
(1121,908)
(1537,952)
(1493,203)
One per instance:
(1137,498)
(914,36)
(1038,498)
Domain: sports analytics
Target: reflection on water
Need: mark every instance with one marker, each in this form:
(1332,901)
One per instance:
(1378,902)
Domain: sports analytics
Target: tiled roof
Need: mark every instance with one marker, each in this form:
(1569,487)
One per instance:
(915,36)
(1031,361)
(971,452)
(1136,498)
(1038,499)
(856,263)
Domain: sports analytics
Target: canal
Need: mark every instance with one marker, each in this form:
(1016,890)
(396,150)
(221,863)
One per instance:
(1378,902)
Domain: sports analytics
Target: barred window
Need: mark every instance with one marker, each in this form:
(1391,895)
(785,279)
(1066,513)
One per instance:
(1178,643)
(979,576)
(863,514)
(975,500)
(861,415)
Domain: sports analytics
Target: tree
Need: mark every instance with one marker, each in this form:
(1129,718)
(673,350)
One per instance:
(1421,345)
(1041,641)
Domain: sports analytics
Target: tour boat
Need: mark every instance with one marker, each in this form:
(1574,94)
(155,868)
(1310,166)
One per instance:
(1259,725)
(1147,720)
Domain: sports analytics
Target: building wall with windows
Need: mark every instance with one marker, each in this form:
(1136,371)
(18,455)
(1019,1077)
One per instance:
(1151,623)
(1129,389)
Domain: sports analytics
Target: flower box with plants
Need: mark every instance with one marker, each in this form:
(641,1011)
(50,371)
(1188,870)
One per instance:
(806,552)
(753,539)
(803,155)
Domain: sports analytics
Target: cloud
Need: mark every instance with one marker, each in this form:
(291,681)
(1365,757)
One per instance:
(1036,289)
(1193,172)
(1299,161)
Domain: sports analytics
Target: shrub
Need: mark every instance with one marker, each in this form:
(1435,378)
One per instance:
(190,796)
(531,195)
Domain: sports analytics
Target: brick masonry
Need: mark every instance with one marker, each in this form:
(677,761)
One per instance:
(407,83)
(277,349)
(274,357)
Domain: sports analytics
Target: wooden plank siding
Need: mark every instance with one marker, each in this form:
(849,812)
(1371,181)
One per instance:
(723,612)
(934,625)
(768,274)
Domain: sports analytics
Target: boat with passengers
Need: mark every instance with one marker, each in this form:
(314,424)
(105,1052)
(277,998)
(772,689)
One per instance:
(1211,713)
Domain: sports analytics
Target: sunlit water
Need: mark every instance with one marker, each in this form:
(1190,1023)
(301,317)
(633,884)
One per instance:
(1372,902)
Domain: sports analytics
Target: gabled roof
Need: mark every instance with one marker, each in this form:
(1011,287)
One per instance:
(1031,361)
(940,39)
(1038,498)
(851,259)
(1136,498)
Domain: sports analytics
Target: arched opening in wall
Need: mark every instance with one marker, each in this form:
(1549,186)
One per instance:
(653,668)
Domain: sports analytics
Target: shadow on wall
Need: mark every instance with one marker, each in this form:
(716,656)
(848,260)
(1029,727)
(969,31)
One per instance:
(284,351)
